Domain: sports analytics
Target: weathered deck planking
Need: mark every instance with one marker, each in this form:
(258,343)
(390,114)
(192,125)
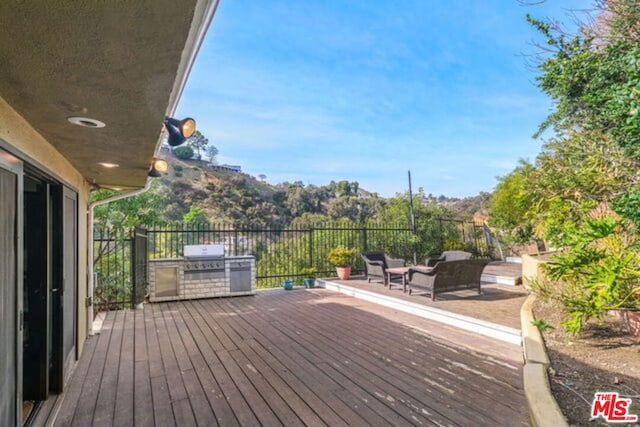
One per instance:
(285,352)
(408,362)
(142,396)
(124,413)
(241,410)
(338,346)
(373,378)
(84,411)
(314,361)
(283,358)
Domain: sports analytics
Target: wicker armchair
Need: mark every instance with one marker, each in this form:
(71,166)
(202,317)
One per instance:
(376,264)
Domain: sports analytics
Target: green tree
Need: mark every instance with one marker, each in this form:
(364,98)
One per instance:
(344,188)
(593,78)
(184,152)
(431,231)
(574,174)
(196,215)
(298,201)
(511,200)
(143,209)
(114,219)
(212,152)
(198,143)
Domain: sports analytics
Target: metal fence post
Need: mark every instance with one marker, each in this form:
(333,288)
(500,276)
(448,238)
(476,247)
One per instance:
(310,231)
(134,284)
(363,235)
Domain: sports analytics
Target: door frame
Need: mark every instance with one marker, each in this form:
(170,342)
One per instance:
(61,362)
(14,165)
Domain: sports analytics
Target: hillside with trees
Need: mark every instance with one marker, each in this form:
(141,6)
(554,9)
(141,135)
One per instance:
(196,189)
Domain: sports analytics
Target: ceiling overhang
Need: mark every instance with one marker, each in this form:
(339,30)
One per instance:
(124,64)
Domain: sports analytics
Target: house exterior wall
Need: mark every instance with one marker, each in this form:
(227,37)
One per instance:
(27,144)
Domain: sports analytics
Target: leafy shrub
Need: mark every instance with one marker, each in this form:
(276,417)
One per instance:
(454,245)
(341,256)
(308,272)
(598,271)
(542,325)
(183,153)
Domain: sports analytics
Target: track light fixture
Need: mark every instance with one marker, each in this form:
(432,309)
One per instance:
(179,130)
(158,167)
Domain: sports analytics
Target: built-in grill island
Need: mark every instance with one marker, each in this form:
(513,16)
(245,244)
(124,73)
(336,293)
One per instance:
(203,272)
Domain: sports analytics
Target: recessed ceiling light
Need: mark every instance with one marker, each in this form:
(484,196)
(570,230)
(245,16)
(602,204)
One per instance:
(108,165)
(86,122)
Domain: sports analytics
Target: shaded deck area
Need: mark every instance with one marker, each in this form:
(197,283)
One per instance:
(304,357)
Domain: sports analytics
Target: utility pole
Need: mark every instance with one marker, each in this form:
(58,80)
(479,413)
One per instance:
(413,219)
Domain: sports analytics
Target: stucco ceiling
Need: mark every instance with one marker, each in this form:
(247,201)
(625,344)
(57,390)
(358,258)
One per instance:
(120,62)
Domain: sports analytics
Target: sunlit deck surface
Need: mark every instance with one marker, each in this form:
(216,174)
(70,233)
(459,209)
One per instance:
(498,304)
(301,357)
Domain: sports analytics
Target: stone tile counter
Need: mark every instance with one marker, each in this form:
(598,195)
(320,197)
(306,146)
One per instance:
(169,280)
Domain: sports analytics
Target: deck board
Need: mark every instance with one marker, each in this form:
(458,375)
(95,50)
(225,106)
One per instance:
(420,357)
(105,406)
(142,395)
(232,394)
(177,391)
(124,412)
(287,358)
(70,400)
(368,344)
(90,385)
(162,411)
(284,354)
(370,376)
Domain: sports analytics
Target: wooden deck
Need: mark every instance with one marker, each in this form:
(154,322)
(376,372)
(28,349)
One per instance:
(304,357)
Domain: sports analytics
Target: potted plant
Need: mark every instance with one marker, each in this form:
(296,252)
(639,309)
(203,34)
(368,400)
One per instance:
(308,276)
(287,285)
(341,258)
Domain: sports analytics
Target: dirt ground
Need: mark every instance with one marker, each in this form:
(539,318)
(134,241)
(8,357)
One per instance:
(604,358)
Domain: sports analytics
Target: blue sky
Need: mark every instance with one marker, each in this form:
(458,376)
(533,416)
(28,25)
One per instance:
(321,90)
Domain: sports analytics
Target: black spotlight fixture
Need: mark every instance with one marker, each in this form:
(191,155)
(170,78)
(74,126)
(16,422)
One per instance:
(179,130)
(158,167)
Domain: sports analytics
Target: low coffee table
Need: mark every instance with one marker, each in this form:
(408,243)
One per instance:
(403,272)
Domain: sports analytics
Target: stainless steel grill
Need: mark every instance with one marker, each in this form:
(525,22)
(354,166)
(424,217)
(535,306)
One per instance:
(204,262)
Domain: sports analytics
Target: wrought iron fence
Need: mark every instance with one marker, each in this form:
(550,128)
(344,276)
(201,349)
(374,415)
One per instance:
(280,252)
(112,264)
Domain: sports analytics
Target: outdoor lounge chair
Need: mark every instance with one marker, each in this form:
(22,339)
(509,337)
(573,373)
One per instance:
(447,276)
(376,264)
(448,256)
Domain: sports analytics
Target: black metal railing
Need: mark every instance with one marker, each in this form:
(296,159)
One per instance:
(112,264)
(280,252)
